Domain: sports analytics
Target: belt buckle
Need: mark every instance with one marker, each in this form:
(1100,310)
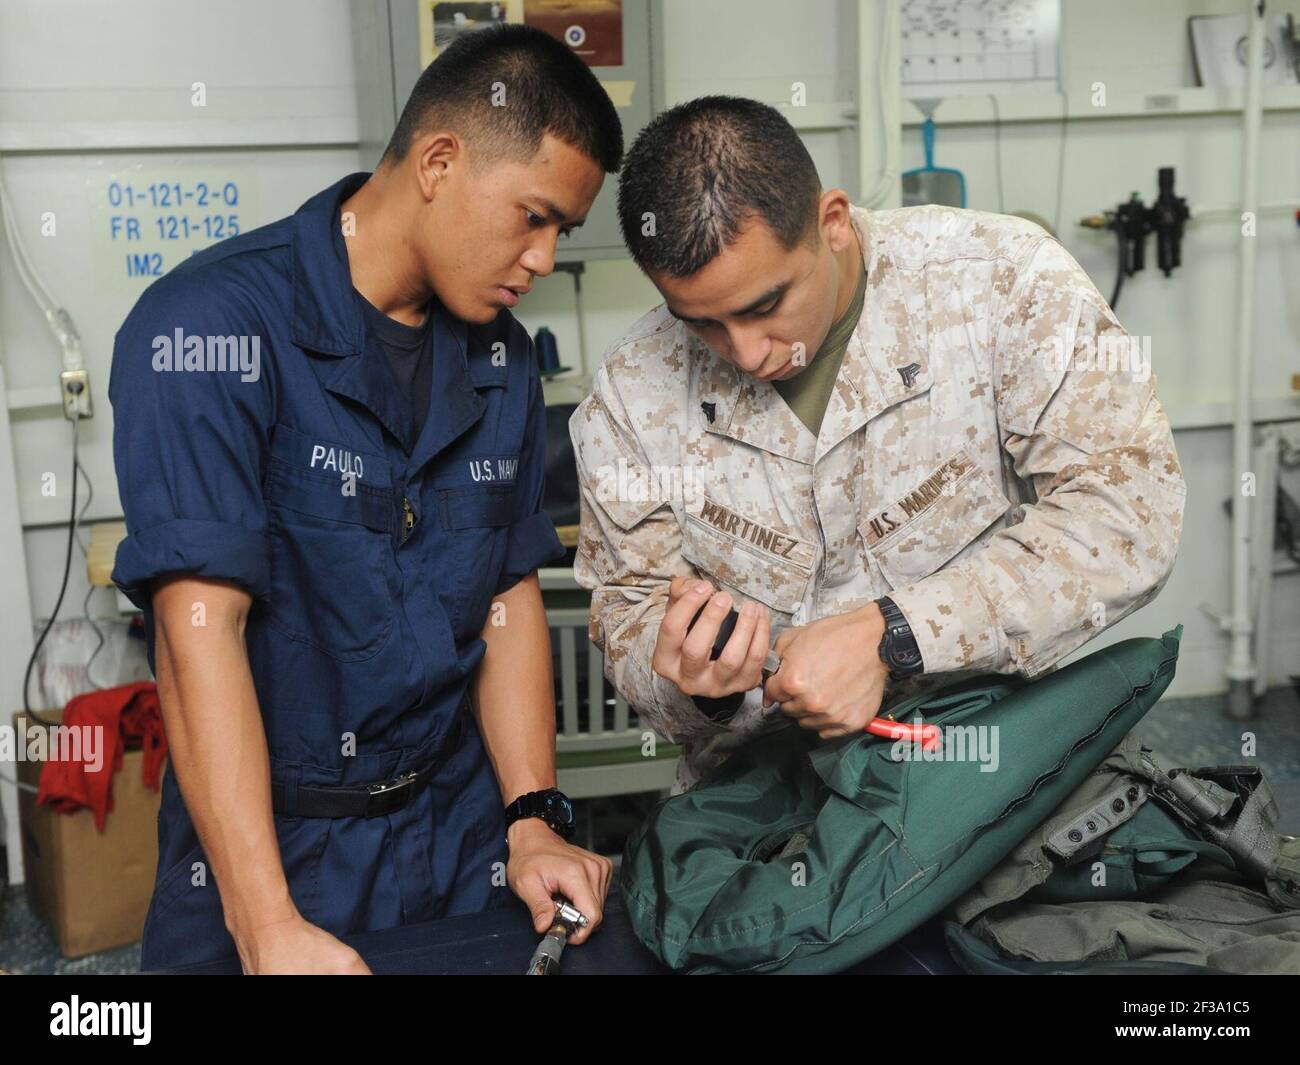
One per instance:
(396,791)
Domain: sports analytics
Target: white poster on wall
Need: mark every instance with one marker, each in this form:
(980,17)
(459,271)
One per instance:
(966,48)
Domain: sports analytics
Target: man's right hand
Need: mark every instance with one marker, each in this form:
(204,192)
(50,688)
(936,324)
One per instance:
(683,657)
(295,947)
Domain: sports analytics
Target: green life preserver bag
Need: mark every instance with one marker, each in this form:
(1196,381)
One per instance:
(805,856)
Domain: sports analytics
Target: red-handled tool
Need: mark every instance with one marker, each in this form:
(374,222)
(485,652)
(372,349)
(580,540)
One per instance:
(928,736)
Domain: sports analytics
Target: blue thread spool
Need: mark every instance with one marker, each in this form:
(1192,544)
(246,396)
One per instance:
(548,353)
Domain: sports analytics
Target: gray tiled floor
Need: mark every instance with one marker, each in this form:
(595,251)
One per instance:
(27,946)
(1189,731)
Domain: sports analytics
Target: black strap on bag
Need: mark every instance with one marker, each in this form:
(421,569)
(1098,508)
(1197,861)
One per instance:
(1232,806)
(369,800)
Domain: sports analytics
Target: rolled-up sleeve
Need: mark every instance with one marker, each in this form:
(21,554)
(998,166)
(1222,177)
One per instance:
(629,551)
(190,446)
(532,538)
(1082,425)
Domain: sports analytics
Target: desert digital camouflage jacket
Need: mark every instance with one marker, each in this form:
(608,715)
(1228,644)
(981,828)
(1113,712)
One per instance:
(993,457)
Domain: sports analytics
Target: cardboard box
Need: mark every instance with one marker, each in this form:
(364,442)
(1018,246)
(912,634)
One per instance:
(92,887)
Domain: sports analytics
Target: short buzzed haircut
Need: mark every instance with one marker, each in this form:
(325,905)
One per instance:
(502,89)
(705,169)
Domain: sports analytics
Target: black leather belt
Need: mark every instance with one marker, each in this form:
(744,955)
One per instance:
(369,800)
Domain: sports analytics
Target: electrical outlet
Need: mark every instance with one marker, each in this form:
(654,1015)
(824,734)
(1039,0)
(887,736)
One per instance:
(76,394)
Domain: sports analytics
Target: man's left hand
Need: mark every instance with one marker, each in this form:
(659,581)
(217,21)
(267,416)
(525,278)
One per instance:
(831,678)
(542,865)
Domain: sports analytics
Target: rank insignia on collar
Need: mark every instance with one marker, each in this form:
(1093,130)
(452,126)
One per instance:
(908,373)
(710,410)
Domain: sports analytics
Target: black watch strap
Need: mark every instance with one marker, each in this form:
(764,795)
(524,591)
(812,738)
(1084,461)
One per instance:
(898,647)
(551,805)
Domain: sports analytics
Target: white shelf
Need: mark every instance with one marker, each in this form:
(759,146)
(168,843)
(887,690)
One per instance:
(1217,414)
(557,578)
(1046,107)
(44,120)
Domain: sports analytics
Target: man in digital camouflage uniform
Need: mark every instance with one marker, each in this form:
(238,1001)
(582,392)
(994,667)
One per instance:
(852,424)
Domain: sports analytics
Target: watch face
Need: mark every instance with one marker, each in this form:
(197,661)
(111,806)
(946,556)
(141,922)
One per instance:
(903,656)
(560,807)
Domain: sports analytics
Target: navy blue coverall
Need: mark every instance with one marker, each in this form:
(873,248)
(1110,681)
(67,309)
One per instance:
(372,561)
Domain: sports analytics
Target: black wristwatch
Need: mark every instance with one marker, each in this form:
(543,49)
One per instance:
(898,647)
(551,805)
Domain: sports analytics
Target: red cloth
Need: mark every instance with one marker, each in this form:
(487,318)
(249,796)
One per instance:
(129,716)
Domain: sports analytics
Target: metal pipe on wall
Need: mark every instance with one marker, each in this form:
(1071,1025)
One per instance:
(1265,514)
(878,103)
(1241,663)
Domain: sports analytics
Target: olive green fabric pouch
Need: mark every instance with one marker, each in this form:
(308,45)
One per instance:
(804,856)
(1173,871)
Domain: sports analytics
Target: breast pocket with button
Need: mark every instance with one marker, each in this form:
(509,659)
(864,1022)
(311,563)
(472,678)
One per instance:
(473,533)
(331,539)
(931,524)
(776,581)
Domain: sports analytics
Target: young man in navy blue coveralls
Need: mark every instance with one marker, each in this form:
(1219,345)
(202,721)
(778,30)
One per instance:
(329,443)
